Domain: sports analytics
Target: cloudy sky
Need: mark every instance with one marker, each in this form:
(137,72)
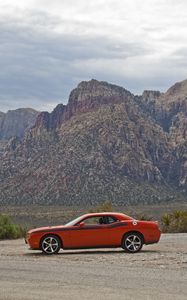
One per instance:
(48,47)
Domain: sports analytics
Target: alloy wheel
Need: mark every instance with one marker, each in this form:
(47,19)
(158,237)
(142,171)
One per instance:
(133,243)
(50,245)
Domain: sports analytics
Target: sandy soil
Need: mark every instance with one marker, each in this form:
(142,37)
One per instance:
(158,272)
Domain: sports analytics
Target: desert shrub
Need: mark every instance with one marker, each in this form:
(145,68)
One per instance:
(103,207)
(144,217)
(175,221)
(9,230)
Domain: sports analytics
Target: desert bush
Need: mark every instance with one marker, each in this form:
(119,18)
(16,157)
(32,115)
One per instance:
(175,221)
(103,207)
(9,230)
(144,217)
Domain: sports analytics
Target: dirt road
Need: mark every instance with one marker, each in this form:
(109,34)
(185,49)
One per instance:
(158,272)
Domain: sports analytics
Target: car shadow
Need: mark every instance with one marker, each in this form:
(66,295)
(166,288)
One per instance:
(90,252)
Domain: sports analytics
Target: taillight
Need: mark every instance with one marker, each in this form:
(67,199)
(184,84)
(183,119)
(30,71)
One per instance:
(157,224)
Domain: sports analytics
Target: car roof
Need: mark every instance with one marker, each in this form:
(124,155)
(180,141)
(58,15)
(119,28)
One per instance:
(120,216)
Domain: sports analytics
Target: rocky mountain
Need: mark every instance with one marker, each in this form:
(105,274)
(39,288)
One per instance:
(14,124)
(105,144)
(169,110)
(1,115)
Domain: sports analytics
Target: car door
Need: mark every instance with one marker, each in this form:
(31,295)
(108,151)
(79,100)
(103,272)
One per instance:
(116,230)
(89,234)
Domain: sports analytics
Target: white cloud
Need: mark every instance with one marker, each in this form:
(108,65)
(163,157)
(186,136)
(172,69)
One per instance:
(46,47)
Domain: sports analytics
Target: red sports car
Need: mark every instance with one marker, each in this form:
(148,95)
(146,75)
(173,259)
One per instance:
(96,230)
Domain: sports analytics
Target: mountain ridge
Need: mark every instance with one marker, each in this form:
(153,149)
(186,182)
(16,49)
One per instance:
(105,144)
(16,122)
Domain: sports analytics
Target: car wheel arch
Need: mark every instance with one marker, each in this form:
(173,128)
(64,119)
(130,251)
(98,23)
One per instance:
(52,234)
(133,232)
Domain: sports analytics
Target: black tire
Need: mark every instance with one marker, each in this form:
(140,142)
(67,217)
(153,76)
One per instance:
(132,242)
(50,244)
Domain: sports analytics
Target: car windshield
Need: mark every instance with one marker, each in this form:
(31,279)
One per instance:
(73,222)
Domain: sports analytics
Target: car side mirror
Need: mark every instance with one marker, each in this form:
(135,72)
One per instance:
(81,224)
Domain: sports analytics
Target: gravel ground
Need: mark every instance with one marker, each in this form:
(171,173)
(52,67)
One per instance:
(159,271)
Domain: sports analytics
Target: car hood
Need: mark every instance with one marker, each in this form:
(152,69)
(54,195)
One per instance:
(48,228)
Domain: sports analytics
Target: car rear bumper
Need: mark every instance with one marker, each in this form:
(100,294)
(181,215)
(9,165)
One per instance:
(151,242)
(153,237)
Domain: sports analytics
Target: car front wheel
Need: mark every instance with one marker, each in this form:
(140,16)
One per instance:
(50,244)
(132,242)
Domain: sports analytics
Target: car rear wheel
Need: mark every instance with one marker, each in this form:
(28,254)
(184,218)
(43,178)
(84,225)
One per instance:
(50,244)
(132,242)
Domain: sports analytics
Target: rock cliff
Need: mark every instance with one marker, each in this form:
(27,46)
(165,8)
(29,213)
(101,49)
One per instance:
(105,144)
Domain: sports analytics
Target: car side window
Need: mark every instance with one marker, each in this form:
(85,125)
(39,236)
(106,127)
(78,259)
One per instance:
(107,220)
(111,220)
(92,221)
(100,220)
